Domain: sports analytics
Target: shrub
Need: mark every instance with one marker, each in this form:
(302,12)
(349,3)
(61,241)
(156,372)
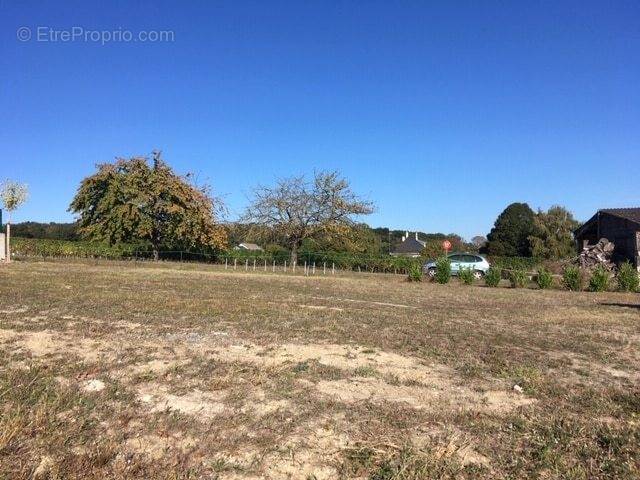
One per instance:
(518,278)
(600,279)
(508,263)
(572,278)
(466,276)
(415,273)
(544,278)
(627,278)
(443,270)
(493,277)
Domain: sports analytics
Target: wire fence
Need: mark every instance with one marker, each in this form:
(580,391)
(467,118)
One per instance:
(307,263)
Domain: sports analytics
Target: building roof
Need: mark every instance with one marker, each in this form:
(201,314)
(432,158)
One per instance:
(630,214)
(410,245)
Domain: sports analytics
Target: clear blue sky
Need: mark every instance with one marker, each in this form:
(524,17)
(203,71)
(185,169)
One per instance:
(440,112)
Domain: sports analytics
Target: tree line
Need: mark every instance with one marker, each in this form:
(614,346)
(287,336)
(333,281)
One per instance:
(143,201)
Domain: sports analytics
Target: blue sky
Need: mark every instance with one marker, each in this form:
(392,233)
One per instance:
(442,113)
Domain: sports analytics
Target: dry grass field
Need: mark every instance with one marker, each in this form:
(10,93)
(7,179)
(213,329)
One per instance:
(114,370)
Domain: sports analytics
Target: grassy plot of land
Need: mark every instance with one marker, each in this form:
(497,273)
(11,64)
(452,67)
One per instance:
(111,370)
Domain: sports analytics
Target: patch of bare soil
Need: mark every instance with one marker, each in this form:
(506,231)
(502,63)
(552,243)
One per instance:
(197,403)
(371,376)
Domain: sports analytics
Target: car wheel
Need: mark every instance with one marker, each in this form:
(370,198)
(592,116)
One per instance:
(431,272)
(478,274)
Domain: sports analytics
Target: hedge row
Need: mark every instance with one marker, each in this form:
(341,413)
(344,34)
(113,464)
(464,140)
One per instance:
(35,247)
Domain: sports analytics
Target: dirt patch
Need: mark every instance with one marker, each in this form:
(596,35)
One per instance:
(309,453)
(203,404)
(94,385)
(47,342)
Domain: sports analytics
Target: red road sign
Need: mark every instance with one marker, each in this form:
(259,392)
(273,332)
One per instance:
(446,245)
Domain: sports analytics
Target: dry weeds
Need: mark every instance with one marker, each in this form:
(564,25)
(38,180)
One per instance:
(176,371)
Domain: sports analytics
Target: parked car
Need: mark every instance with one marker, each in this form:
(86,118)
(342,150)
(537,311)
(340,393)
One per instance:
(478,264)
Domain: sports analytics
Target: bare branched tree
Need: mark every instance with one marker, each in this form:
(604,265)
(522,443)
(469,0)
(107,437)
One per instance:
(295,209)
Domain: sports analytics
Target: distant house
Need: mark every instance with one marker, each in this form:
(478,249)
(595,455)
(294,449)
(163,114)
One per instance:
(618,225)
(249,247)
(411,246)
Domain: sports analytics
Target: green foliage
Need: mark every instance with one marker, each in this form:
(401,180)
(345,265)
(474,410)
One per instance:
(466,276)
(572,278)
(493,276)
(544,279)
(63,248)
(51,230)
(510,234)
(510,263)
(628,278)
(518,278)
(600,279)
(552,235)
(129,201)
(443,270)
(415,273)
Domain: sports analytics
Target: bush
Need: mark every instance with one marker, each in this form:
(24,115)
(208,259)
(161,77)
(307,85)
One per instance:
(544,278)
(600,279)
(466,276)
(518,278)
(443,270)
(493,277)
(415,273)
(627,278)
(509,263)
(572,278)
(34,247)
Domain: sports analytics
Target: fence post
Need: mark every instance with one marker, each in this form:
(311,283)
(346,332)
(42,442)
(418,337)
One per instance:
(180,255)
(314,268)
(235,263)
(265,264)
(294,266)
(333,268)
(274,266)
(305,267)
(226,262)
(285,266)
(324,268)
(254,264)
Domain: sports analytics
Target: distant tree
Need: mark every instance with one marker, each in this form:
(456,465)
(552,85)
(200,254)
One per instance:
(296,209)
(510,233)
(12,194)
(51,230)
(130,200)
(479,241)
(354,239)
(552,235)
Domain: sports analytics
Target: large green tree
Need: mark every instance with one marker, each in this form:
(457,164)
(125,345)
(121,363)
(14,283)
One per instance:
(510,233)
(552,235)
(132,200)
